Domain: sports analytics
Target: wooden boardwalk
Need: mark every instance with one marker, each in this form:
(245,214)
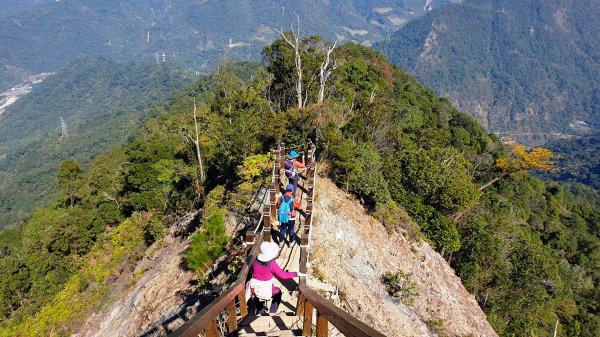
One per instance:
(285,322)
(303,311)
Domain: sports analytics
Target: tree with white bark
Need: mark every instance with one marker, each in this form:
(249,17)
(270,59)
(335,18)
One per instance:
(196,141)
(325,70)
(293,39)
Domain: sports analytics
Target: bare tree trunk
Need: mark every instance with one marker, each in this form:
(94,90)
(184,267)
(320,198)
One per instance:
(486,185)
(225,93)
(196,142)
(325,71)
(294,42)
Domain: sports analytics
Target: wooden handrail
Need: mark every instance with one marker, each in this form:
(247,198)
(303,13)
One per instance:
(343,321)
(205,318)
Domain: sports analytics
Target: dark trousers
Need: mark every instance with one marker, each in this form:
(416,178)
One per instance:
(287,228)
(294,181)
(275,301)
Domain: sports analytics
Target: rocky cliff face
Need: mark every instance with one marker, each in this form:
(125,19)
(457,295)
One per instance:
(149,297)
(351,250)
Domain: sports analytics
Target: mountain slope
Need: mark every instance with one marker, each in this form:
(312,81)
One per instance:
(353,251)
(527,250)
(580,159)
(520,67)
(340,234)
(196,33)
(103,104)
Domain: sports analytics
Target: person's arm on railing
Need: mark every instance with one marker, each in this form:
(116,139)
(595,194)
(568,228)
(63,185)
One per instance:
(281,274)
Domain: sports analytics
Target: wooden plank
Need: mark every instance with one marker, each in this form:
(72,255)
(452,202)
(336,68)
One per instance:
(243,304)
(232,316)
(344,322)
(211,329)
(300,305)
(303,260)
(206,317)
(308,313)
(322,325)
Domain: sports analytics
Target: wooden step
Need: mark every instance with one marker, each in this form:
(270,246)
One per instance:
(284,333)
(282,324)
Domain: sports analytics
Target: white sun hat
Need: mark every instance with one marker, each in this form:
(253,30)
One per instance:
(268,251)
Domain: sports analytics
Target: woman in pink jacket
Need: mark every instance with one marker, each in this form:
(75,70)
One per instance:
(263,269)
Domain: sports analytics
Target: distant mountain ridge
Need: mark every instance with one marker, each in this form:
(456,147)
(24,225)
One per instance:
(46,36)
(522,67)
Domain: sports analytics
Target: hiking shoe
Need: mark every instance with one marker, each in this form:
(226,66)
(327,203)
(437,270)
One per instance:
(291,244)
(281,244)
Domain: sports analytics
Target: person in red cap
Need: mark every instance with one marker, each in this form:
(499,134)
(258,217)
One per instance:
(286,207)
(263,269)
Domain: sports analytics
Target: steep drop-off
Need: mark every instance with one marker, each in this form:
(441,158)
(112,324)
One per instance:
(352,251)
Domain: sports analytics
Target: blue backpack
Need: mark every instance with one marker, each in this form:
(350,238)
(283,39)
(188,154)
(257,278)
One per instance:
(285,210)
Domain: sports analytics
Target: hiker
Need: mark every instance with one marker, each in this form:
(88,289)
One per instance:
(287,206)
(291,169)
(263,269)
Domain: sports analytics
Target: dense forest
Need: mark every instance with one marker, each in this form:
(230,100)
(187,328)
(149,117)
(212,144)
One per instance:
(527,68)
(580,159)
(103,104)
(528,250)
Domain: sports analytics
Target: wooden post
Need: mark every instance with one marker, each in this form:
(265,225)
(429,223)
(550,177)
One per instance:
(304,238)
(300,305)
(322,325)
(267,222)
(243,306)
(211,329)
(276,173)
(306,231)
(233,316)
(309,205)
(310,185)
(308,314)
(273,202)
(282,154)
(311,154)
(250,237)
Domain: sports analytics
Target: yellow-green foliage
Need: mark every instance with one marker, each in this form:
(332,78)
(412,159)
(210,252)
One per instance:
(207,244)
(86,288)
(213,201)
(255,172)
